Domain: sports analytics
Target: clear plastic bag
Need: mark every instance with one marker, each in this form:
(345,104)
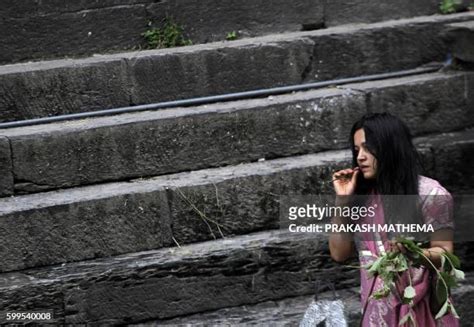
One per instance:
(324,312)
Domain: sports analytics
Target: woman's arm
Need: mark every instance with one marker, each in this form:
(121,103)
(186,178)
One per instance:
(439,244)
(441,241)
(341,245)
(435,251)
(438,210)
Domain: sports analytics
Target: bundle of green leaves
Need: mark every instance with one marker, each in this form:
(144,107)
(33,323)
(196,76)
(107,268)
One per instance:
(390,266)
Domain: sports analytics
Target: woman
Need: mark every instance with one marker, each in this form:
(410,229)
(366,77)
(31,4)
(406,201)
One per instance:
(386,163)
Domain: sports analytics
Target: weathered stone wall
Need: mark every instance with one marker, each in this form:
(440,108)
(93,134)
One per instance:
(290,311)
(176,281)
(31,30)
(100,245)
(71,86)
(117,218)
(48,29)
(170,141)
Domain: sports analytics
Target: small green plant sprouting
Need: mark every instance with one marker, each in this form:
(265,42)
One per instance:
(168,36)
(450,6)
(231,36)
(390,265)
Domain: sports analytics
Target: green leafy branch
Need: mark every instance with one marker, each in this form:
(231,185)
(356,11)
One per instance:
(391,265)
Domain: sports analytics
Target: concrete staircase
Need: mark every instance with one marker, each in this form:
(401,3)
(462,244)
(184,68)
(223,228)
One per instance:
(49,88)
(288,312)
(161,217)
(53,28)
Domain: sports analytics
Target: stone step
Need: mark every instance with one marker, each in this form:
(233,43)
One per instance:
(247,277)
(286,312)
(460,37)
(116,218)
(290,311)
(447,148)
(48,29)
(176,281)
(168,141)
(57,87)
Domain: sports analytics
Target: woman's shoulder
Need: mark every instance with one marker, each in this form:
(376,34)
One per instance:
(429,186)
(437,203)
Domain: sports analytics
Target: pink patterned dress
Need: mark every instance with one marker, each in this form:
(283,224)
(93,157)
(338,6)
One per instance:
(388,311)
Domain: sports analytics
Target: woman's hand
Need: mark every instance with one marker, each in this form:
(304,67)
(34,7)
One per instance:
(344,181)
(396,247)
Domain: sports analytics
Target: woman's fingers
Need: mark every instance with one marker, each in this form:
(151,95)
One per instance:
(392,246)
(344,181)
(344,172)
(401,248)
(354,175)
(340,173)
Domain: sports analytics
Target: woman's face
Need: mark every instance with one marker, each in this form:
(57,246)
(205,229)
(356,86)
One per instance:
(366,161)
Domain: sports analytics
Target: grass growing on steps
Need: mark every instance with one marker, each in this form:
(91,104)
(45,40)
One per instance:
(168,36)
(231,36)
(454,6)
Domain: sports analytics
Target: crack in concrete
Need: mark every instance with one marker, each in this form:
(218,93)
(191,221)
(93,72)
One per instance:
(128,78)
(25,183)
(325,13)
(309,66)
(9,187)
(12,170)
(368,101)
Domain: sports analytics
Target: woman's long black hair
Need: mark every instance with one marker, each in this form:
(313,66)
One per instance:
(398,164)
(397,169)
